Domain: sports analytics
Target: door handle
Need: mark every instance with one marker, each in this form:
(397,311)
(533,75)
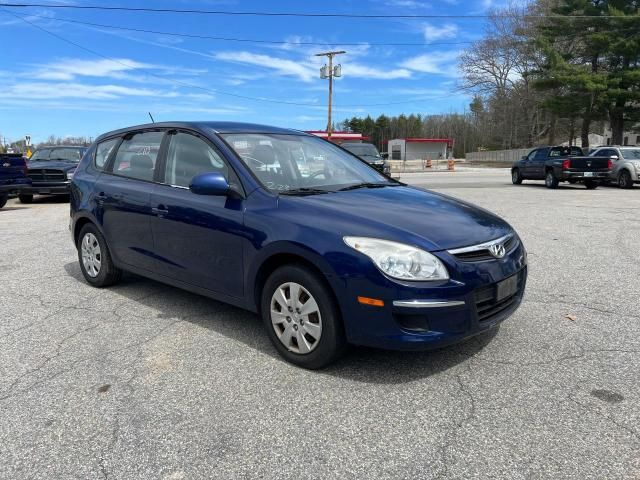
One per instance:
(159,210)
(101,197)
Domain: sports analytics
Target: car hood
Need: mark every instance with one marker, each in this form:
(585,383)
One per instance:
(53,164)
(401,213)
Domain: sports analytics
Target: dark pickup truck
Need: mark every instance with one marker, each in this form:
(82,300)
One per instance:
(13,176)
(561,164)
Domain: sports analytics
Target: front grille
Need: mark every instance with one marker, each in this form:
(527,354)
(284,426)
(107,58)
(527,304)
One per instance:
(46,175)
(487,305)
(482,255)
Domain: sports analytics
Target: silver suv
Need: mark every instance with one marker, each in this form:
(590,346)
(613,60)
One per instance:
(626,164)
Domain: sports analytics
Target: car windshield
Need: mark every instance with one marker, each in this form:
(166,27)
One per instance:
(287,163)
(631,154)
(362,149)
(67,154)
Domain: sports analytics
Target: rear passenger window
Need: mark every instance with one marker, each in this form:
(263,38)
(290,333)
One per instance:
(189,156)
(136,157)
(103,151)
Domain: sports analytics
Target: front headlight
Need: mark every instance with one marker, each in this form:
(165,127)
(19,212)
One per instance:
(70,174)
(398,260)
(637,165)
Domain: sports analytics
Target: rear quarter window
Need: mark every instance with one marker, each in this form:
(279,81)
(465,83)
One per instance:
(103,151)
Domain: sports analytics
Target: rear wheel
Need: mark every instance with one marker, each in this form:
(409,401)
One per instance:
(25,198)
(516,176)
(591,184)
(95,260)
(3,200)
(550,180)
(302,318)
(624,180)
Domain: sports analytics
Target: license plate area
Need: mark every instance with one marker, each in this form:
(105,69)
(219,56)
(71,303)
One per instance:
(589,174)
(507,288)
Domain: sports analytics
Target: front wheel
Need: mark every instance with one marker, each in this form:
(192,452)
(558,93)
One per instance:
(302,318)
(516,176)
(95,260)
(624,180)
(25,198)
(550,180)
(591,184)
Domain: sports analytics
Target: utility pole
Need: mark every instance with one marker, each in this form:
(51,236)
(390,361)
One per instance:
(330,72)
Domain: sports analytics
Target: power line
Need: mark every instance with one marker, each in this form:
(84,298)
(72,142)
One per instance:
(285,14)
(250,40)
(191,85)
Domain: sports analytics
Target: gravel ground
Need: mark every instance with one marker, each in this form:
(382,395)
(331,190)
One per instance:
(147,381)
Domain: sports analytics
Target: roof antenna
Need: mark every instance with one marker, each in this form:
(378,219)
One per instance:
(151,117)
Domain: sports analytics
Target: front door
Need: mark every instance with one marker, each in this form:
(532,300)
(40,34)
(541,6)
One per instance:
(198,238)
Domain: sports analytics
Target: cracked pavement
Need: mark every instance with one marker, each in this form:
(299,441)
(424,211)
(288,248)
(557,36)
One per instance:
(143,380)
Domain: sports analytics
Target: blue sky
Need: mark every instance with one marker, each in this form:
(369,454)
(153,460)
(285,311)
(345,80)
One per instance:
(48,86)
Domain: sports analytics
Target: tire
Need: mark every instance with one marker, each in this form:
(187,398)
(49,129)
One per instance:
(624,180)
(25,198)
(516,176)
(550,180)
(3,201)
(291,334)
(92,243)
(591,184)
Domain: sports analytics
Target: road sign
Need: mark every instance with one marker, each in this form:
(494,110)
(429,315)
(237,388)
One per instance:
(27,140)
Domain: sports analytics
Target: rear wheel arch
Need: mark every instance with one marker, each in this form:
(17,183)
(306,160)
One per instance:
(77,228)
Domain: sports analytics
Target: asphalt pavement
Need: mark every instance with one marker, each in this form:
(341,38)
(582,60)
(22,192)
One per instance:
(143,380)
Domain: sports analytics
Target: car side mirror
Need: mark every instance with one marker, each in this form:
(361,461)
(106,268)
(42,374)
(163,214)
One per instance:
(385,156)
(213,183)
(524,158)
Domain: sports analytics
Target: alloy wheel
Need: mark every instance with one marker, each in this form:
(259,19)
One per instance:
(91,255)
(296,318)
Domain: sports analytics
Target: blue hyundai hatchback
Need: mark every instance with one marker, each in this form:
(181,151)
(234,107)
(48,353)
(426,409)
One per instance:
(326,249)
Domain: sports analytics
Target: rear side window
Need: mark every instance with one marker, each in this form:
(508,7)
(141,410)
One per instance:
(103,151)
(137,156)
(189,156)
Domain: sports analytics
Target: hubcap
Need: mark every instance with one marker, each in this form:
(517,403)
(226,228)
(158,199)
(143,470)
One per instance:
(295,317)
(514,176)
(91,255)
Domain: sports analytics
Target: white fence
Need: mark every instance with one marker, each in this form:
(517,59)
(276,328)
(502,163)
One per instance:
(497,156)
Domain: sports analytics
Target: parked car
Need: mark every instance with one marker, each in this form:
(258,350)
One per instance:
(342,255)
(561,164)
(13,176)
(626,164)
(369,153)
(51,169)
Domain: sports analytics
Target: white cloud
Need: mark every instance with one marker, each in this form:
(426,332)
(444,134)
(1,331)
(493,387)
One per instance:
(304,71)
(436,32)
(68,69)
(43,90)
(363,71)
(438,63)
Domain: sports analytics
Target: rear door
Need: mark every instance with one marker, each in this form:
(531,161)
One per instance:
(198,238)
(123,193)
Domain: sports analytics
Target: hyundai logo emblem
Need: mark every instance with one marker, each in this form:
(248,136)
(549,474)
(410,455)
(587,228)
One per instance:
(497,250)
(588,164)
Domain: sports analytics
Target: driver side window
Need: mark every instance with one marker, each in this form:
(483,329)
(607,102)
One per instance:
(531,155)
(189,156)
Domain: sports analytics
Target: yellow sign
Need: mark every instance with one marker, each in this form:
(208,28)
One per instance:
(29,153)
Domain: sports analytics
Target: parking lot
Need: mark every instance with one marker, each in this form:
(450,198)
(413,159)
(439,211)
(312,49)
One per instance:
(143,380)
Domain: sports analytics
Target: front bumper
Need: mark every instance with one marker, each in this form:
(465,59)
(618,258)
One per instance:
(48,188)
(424,316)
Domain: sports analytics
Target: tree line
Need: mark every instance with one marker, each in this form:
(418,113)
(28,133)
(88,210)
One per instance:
(547,73)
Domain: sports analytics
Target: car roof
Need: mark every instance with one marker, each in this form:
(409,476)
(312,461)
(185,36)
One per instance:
(216,127)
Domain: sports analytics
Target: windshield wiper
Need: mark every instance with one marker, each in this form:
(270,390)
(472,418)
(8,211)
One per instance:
(303,191)
(368,185)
